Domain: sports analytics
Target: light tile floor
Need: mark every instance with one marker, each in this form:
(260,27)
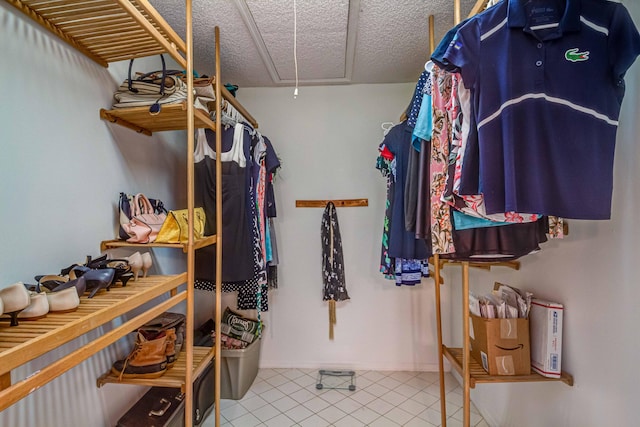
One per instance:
(288,397)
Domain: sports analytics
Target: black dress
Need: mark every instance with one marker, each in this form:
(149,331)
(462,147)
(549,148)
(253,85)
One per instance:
(237,249)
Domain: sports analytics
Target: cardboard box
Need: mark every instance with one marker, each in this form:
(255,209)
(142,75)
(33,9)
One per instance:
(546,337)
(501,346)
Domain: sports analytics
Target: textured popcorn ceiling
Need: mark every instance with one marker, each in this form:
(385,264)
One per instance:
(338,41)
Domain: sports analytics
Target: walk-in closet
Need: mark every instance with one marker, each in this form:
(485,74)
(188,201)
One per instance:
(319,213)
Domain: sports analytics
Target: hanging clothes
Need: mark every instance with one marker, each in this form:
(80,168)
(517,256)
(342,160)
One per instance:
(248,268)
(252,293)
(402,243)
(547,111)
(405,271)
(236,247)
(272,164)
(441,228)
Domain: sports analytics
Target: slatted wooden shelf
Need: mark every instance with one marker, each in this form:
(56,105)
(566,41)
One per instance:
(32,339)
(107,30)
(174,377)
(480,376)
(171,117)
(200,243)
(483,265)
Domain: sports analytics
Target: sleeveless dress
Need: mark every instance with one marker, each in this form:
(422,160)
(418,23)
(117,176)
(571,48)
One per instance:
(237,250)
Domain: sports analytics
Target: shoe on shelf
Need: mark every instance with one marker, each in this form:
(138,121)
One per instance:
(147,262)
(170,353)
(56,283)
(136,263)
(64,301)
(15,298)
(95,263)
(38,307)
(89,262)
(96,279)
(122,269)
(168,320)
(148,359)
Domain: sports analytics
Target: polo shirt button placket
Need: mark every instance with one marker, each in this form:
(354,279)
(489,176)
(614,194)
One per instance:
(539,81)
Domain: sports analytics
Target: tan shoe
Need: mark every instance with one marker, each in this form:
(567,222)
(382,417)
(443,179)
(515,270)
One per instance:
(38,307)
(148,358)
(147,262)
(64,301)
(136,263)
(170,352)
(15,298)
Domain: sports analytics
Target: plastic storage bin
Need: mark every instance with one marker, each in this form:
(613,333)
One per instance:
(238,370)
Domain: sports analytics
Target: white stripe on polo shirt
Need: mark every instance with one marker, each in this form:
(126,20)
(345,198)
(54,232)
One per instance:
(603,30)
(493,30)
(545,26)
(553,99)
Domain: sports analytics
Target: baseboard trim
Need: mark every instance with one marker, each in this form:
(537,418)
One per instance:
(357,366)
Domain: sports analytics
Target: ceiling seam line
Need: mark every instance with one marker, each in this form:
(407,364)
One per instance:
(353,21)
(247,17)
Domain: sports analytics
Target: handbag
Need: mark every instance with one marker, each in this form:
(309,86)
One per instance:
(145,223)
(153,88)
(125,208)
(176,227)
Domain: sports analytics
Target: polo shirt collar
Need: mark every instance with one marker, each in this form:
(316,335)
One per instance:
(517,15)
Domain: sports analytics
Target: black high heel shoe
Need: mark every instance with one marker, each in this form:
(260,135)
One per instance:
(121,266)
(58,283)
(89,262)
(96,279)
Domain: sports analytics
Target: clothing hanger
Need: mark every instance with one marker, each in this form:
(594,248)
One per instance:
(386,127)
(428,66)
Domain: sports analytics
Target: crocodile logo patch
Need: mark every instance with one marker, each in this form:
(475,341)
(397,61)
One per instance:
(574,56)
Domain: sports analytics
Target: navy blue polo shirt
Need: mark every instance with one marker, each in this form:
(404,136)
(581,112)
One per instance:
(547,82)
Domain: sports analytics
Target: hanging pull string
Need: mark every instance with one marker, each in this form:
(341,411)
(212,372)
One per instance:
(295,46)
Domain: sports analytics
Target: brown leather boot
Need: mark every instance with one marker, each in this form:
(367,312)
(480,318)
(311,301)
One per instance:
(166,321)
(148,358)
(170,352)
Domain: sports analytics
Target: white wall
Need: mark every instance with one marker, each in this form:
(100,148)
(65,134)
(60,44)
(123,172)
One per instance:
(327,139)
(61,169)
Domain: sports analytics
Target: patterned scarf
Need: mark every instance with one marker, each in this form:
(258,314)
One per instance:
(332,263)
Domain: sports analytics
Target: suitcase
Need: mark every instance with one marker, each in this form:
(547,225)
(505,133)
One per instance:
(164,406)
(159,407)
(203,394)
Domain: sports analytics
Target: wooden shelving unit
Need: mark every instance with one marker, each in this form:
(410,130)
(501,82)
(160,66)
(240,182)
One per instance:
(171,117)
(461,360)
(480,376)
(199,243)
(107,31)
(174,377)
(31,339)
